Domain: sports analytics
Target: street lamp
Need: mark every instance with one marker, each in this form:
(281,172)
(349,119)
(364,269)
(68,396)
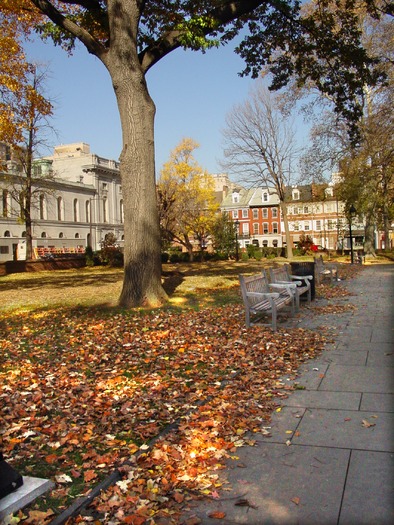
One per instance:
(236,240)
(352,213)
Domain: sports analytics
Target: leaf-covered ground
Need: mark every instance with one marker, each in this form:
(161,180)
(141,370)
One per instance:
(84,391)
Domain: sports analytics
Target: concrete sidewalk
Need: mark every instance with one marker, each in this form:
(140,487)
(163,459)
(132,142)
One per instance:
(330,457)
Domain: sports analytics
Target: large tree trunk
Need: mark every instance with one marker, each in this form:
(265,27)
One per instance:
(142,248)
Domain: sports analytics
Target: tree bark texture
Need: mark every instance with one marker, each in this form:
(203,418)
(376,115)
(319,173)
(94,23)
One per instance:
(142,248)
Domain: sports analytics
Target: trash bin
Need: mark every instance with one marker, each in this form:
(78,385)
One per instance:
(305,268)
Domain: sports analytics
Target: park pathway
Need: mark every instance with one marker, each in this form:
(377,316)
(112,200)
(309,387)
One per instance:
(330,457)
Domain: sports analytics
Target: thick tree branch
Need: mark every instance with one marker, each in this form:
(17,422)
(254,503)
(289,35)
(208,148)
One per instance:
(225,14)
(93,45)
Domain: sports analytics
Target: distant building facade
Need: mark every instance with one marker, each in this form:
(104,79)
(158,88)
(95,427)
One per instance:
(256,213)
(80,204)
(313,210)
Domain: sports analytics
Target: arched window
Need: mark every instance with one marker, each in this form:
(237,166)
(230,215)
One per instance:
(5,203)
(105,211)
(77,236)
(7,233)
(42,207)
(121,211)
(59,209)
(23,234)
(43,235)
(75,209)
(61,235)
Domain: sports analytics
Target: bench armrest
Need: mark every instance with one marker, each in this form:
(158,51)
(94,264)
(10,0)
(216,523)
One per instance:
(288,283)
(262,295)
(289,287)
(302,277)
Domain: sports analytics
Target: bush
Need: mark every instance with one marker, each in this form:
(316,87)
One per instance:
(111,253)
(174,257)
(251,248)
(244,256)
(258,255)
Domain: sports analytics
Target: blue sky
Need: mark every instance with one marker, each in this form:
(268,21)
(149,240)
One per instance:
(192,92)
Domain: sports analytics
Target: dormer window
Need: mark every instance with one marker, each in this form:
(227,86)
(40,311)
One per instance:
(265,196)
(235,197)
(329,192)
(296,195)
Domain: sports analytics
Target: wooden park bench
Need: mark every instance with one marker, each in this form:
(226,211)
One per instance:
(301,283)
(262,298)
(325,270)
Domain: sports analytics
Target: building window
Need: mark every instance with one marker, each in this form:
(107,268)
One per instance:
(265,243)
(296,227)
(37,170)
(274,227)
(265,213)
(255,213)
(265,227)
(4,250)
(274,213)
(245,228)
(75,209)
(61,235)
(43,235)
(235,214)
(42,207)
(306,209)
(59,209)
(235,197)
(275,243)
(77,236)
(296,195)
(306,226)
(5,203)
(255,228)
(105,211)
(318,225)
(87,211)
(245,213)
(329,192)
(265,196)
(7,233)
(330,225)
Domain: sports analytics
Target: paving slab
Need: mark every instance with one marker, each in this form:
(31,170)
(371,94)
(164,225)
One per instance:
(370,473)
(277,486)
(377,402)
(31,489)
(343,378)
(346,429)
(348,346)
(319,399)
(344,357)
(379,358)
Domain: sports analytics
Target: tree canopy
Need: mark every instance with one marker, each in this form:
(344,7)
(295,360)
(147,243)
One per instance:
(187,205)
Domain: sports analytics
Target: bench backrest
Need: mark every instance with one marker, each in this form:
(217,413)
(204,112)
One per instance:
(279,274)
(319,263)
(253,283)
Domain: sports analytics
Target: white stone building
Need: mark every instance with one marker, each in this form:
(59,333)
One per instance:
(78,207)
